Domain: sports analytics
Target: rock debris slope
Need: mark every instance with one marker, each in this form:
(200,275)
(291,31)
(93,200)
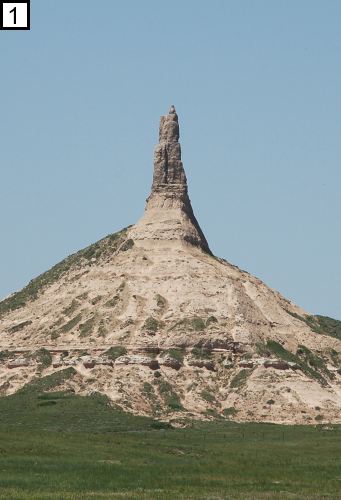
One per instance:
(149,317)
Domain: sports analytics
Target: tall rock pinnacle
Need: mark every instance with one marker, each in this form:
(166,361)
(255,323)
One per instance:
(169,214)
(168,169)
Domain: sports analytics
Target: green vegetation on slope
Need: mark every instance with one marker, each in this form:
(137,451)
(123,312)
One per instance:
(310,364)
(72,323)
(208,396)
(201,353)
(127,245)
(160,301)
(115,352)
(70,309)
(43,357)
(321,324)
(86,328)
(196,323)
(329,326)
(168,394)
(5,355)
(151,325)
(240,379)
(36,407)
(43,384)
(314,362)
(335,357)
(177,354)
(58,445)
(103,248)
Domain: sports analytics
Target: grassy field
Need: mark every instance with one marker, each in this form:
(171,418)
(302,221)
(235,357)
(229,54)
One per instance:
(62,446)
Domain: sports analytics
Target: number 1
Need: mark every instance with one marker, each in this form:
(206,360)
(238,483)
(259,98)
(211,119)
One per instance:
(14,10)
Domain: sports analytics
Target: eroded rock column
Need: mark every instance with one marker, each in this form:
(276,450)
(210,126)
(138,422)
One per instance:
(168,214)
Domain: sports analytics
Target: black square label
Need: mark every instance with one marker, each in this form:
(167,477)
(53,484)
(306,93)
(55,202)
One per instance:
(15,15)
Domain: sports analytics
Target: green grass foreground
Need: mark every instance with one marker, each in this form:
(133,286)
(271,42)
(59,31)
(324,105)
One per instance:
(62,446)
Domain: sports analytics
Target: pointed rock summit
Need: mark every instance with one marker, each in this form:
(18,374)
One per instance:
(169,215)
(150,318)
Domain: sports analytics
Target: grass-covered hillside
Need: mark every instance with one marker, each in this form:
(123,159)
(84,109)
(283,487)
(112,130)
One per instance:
(321,324)
(102,249)
(56,445)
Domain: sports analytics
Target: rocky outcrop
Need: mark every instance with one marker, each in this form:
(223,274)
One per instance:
(169,215)
(221,344)
(19,363)
(278,364)
(170,362)
(169,175)
(136,359)
(201,363)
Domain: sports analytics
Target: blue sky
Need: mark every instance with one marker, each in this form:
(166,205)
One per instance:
(257,90)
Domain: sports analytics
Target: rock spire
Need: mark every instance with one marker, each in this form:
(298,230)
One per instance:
(169,214)
(169,174)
